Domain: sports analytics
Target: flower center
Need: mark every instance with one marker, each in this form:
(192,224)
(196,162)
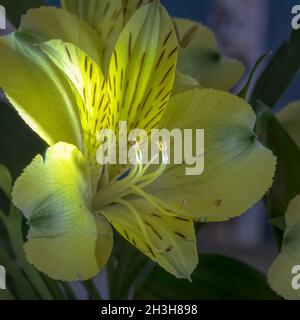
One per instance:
(132,180)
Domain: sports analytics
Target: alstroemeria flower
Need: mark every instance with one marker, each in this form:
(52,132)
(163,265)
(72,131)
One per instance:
(69,200)
(284,269)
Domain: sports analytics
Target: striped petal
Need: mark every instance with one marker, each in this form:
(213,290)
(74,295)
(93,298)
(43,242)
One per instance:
(65,240)
(47,23)
(89,87)
(105,16)
(284,274)
(200,57)
(38,91)
(238,170)
(142,68)
(169,241)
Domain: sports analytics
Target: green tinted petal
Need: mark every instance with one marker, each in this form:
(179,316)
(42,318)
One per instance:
(105,16)
(169,241)
(238,170)
(142,68)
(65,240)
(289,117)
(284,273)
(48,23)
(38,91)
(200,57)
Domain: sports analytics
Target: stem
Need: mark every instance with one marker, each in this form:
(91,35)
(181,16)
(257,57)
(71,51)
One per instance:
(25,290)
(68,291)
(14,228)
(54,288)
(92,290)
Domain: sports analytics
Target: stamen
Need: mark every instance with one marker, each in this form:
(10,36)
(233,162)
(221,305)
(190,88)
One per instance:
(132,180)
(139,220)
(158,204)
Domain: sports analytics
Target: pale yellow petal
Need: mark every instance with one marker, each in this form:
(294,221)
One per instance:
(201,58)
(65,240)
(238,170)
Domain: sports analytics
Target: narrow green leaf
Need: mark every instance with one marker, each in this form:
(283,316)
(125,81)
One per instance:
(245,91)
(23,289)
(68,291)
(216,277)
(13,225)
(287,178)
(5,181)
(130,263)
(54,287)
(93,293)
(279,73)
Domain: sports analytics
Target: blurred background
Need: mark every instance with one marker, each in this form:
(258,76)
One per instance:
(245,29)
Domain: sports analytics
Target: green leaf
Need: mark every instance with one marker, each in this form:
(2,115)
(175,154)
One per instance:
(5,181)
(16,8)
(278,222)
(130,263)
(244,92)
(287,178)
(6,295)
(279,73)
(216,277)
(92,290)
(22,287)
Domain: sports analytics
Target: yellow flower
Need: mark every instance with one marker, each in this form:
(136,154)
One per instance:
(68,199)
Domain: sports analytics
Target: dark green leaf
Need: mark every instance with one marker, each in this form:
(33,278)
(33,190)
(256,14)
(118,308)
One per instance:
(130,263)
(16,8)
(5,181)
(22,287)
(278,222)
(287,178)
(216,277)
(244,92)
(93,293)
(279,73)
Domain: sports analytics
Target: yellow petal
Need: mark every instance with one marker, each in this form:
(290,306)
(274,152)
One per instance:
(169,241)
(142,68)
(89,87)
(289,117)
(47,23)
(284,275)
(38,91)
(238,170)
(65,240)
(105,16)
(200,57)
